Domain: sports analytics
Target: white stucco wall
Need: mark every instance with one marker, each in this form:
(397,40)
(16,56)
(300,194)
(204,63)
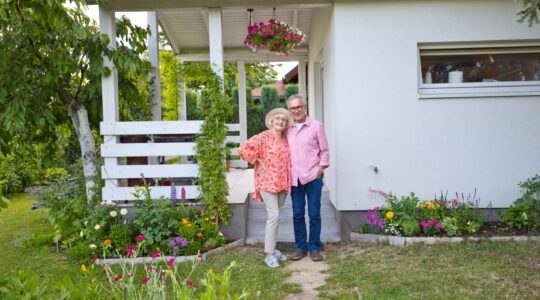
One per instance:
(322,51)
(374,117)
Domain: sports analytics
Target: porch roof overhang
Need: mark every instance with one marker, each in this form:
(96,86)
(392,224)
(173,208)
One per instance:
(185,23)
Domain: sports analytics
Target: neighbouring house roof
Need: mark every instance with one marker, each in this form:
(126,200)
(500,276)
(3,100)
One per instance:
(256,92)
(291,76)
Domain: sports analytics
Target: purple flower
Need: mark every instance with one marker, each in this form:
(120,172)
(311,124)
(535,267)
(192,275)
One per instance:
(172,242)
(178,239)
(184,243)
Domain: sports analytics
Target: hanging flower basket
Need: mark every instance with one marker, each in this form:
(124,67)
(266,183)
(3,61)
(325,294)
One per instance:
(275,36)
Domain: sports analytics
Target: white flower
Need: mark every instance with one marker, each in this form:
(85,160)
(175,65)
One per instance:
(113,213)
(123,212)
(97,227)
(82,234)
(93,246)
(85,223)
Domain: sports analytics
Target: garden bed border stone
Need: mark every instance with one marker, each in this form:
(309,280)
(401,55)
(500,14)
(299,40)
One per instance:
(177,259)
(407,241)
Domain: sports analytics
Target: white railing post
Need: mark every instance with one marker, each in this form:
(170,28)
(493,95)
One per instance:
(109,88)
(302,78)
(242,103)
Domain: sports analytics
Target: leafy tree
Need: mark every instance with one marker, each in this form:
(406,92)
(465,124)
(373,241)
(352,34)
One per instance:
(530,12)
(290,89)
(51,67)
(192,108)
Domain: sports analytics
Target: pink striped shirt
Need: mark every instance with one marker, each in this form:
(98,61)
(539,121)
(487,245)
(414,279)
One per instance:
(309,151)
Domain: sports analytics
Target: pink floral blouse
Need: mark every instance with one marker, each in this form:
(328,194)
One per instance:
(276,157)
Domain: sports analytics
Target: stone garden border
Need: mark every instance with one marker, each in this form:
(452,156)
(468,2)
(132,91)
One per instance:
(407,241)
(177,259)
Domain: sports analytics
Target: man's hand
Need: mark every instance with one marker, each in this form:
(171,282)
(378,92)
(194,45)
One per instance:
(260,166)
(320,173)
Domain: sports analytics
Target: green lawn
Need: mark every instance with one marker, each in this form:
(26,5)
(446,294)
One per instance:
(450,271)
(487,270)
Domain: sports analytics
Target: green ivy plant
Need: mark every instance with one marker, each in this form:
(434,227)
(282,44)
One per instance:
(211,149)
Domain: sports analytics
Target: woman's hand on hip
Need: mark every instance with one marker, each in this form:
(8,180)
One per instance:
(260,166)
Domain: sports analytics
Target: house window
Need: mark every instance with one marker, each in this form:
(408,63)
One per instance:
(479,70)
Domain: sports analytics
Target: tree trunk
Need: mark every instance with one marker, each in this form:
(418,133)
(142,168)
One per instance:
(79,117)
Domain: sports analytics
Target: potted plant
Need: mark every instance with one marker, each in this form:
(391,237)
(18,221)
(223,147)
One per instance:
(275,36)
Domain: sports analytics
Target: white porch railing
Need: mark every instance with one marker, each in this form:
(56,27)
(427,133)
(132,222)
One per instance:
(112,150)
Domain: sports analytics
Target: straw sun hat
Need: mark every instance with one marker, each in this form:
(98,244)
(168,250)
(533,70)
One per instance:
(275,112)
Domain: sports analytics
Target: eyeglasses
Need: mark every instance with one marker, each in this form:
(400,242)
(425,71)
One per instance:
(296,108)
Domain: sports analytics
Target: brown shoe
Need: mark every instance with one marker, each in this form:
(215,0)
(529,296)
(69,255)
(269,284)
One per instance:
(315,255)
(298,254)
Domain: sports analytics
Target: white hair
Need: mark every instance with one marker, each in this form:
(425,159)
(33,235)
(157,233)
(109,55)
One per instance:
(297,96)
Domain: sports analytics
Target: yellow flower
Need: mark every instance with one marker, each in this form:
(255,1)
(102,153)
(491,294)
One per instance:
(212,217)
(390,214)
(169,272)
(83,268)
(189,225)
(206,219)
(210,271)
(184,221)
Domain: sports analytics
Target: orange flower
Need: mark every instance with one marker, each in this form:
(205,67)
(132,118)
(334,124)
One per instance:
(200,235)
(107,242)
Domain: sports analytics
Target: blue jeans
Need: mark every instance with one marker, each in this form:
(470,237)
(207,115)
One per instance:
(312,190)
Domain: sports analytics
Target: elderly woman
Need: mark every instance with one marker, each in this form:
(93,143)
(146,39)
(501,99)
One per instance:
(269,153)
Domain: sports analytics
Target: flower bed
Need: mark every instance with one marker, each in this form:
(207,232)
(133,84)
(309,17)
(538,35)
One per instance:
(160,227)
(410,216)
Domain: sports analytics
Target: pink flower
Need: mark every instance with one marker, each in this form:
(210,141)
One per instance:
(208,247)
(145,280)
(140,238)
(94,259)
(424,224)
(129,251)
(117,278)
(455,202)
(287,37)
(438,226)
(199,256)
(171,262)
(155,254)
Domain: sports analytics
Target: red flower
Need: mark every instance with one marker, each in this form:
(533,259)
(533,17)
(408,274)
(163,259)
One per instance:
(145,280)
(171,262)
(94,259)
(155,254)
(140,238)
(117,278)
(189,282)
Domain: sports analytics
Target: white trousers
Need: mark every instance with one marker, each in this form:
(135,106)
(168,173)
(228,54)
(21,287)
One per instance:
(273,203)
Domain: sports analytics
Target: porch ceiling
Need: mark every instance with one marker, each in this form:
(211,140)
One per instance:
(187,28)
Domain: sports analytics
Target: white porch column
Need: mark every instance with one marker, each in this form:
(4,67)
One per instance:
(302,78)
(109,87)
(216,40)
(153,56)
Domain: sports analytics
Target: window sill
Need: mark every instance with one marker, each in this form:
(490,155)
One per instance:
(479,89)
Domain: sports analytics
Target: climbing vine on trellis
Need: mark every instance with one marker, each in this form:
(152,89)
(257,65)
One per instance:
(211,150)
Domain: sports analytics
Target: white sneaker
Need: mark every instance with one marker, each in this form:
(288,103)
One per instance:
(271,262)
(279,256)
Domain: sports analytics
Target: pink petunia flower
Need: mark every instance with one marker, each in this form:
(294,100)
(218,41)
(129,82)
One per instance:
(140,238)
(145,280)
(155,254)
(171,262)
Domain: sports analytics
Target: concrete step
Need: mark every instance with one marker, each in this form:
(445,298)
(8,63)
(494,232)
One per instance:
(255,233)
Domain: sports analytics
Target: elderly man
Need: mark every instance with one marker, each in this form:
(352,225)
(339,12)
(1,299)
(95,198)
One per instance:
(309,159)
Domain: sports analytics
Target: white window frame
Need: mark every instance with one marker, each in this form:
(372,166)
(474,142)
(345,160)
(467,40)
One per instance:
(476,89)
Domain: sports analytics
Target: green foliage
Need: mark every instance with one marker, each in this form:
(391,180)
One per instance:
(211,149)
(450,226)
(55,174)
(170,71)
(524,213)
(120,236)
(10,181)
(290,89)
(270,99)
(3,200)
(410,227)
(66,202)
(192,108)
(530,12)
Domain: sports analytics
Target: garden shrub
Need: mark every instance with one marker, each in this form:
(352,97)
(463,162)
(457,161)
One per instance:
(55,175)
(290,89)
(524,213)
(410,227)
(9,174)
